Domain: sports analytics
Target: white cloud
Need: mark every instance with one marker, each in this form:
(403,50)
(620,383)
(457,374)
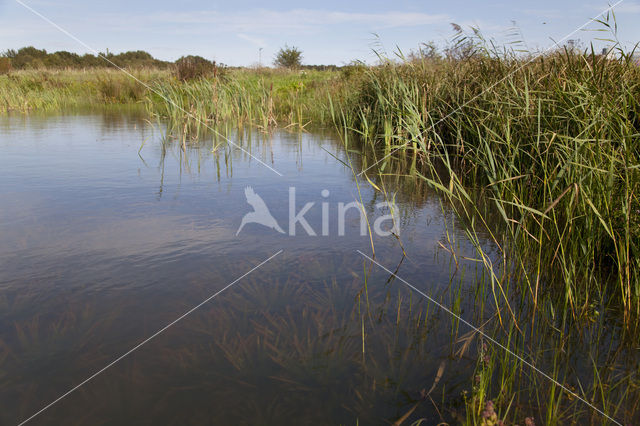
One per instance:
(253,40)
(269,21)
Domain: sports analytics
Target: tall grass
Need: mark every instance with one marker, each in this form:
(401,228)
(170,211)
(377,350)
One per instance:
(551,144)
(266,98)
(25,91)
(584,355)
(540,154)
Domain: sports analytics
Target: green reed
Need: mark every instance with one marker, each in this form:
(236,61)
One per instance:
(551,145)
(537,156)
(264,98)
(585,355)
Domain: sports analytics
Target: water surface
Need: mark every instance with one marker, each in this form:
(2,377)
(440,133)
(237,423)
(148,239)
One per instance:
(109,231)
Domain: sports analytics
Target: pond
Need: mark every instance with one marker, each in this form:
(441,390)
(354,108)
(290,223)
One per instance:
(129,295)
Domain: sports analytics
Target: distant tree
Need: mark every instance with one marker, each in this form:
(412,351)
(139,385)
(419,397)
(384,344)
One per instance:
(91,61)
(288,57)
(33,52)
(25,57)
(138,58)
(329,67)
(32,58)
(62,59)
(137,55)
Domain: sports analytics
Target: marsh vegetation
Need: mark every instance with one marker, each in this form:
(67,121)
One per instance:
(531,162)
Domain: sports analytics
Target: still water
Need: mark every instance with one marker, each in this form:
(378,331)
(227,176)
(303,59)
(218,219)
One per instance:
(110,231)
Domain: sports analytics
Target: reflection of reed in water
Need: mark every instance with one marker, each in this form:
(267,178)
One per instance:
(274,349)
(306,346)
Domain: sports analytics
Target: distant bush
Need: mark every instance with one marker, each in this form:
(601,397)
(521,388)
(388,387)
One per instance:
(35,64)
(191,67)
(354,69)
(5,65)
(320,67)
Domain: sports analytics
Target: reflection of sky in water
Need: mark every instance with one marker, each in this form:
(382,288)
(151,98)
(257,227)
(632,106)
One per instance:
(111,245)
(77,187)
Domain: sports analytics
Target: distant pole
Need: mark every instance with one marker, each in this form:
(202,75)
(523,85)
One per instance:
(260,57)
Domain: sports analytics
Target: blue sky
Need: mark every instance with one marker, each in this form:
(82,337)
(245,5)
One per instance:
(330,32)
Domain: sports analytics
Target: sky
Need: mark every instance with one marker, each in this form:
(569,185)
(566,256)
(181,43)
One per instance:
(243,32)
